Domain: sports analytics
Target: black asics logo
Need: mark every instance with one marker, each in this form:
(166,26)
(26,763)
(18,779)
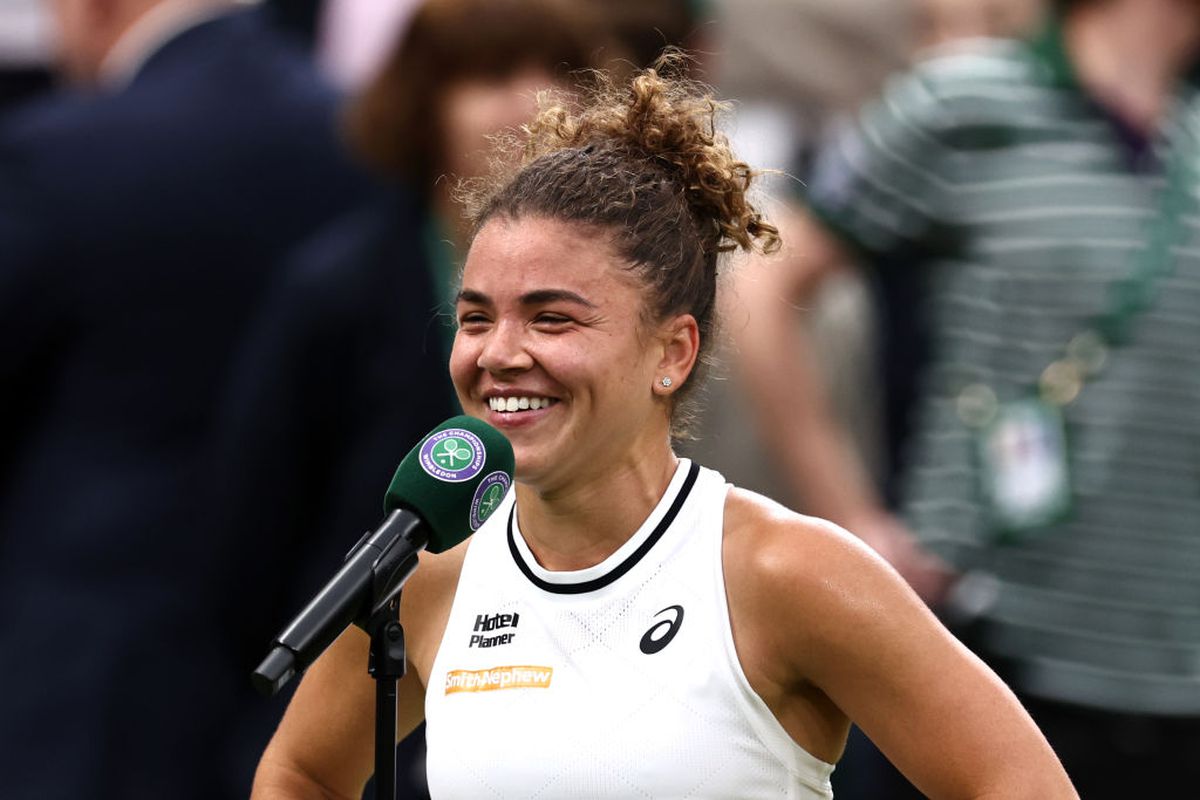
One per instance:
(663,631)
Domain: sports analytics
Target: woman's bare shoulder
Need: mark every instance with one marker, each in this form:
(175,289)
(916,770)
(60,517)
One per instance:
(768,538)
(810,577)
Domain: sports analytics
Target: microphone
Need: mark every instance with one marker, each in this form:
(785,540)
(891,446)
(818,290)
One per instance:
(443,490)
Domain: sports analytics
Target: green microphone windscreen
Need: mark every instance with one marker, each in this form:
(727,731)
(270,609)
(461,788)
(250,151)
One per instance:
(453,479)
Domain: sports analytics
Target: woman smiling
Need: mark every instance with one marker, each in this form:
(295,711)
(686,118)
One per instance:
(628,624)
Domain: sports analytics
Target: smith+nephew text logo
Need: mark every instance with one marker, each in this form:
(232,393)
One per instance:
(488,496)
(453,455)
(497,678)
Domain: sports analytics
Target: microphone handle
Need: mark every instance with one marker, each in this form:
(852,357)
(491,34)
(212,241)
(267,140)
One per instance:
(377,565)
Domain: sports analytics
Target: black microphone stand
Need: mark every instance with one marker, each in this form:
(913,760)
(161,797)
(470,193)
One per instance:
(387,660)
(387,668)
(365,591)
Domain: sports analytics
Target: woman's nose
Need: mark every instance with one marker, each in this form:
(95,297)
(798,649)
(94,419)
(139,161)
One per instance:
(504,349)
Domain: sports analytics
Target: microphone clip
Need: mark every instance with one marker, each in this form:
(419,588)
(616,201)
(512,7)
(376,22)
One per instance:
(400,539)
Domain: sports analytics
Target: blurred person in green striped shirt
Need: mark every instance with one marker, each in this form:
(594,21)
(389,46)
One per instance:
(1042,196)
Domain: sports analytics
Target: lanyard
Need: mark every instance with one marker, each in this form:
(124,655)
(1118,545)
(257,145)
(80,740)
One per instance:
(1087,353)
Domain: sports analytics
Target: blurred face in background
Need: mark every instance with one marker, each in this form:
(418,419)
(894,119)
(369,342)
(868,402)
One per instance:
(474,109)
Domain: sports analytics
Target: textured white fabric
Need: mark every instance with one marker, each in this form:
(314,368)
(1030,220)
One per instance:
(542,689)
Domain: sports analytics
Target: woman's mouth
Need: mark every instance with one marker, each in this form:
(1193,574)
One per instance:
(511,405)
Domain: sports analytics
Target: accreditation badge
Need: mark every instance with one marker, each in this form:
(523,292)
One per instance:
(1024,470)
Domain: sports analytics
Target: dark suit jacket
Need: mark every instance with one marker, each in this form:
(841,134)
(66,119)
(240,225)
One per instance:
(342,376)
(137,231)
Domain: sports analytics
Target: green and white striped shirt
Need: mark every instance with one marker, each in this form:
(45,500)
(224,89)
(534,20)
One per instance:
(992,170)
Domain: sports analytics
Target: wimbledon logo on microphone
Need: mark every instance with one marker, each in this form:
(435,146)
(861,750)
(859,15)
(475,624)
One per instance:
(488,496)
(454,455)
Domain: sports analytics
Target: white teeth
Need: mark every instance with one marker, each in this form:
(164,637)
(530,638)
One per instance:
(511,404)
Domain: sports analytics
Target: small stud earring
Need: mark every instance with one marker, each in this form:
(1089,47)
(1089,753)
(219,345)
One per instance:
(666,382)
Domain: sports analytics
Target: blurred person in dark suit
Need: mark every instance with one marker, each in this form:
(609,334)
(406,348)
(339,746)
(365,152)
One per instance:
(341,375)
(141,212)
(1040,198)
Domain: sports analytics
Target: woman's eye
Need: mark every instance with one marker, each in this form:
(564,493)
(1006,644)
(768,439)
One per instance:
(551,319)
(470,319)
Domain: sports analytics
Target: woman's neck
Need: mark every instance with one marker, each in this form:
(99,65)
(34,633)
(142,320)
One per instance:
(1131,53)
(578,525)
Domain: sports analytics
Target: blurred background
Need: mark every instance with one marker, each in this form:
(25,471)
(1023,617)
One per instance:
(228,252)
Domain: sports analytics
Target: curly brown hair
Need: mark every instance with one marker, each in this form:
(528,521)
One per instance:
(645,163)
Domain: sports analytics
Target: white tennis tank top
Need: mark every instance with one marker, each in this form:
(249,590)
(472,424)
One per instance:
(617,681)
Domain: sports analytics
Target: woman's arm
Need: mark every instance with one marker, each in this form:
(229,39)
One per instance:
(825,627)
(325,745)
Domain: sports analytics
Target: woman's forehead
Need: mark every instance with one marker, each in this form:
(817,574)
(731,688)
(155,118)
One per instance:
(542,254)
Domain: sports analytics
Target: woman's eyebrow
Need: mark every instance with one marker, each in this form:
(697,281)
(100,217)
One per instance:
(472,296)
(541,296)
(536,297)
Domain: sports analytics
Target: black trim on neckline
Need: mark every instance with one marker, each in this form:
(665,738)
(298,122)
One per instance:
(620,569)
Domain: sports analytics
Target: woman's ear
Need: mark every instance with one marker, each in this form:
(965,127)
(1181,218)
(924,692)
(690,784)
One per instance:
(679,338)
